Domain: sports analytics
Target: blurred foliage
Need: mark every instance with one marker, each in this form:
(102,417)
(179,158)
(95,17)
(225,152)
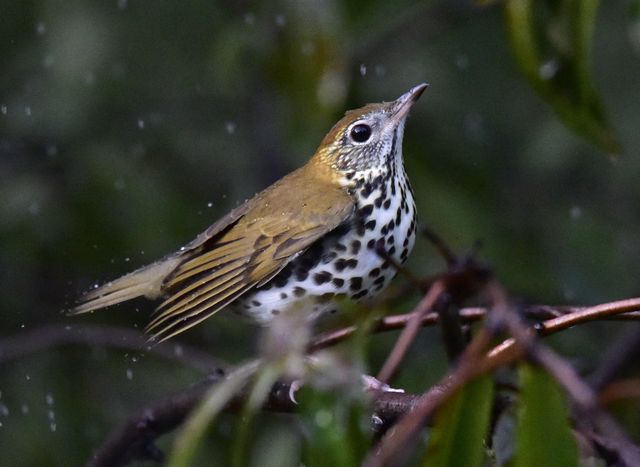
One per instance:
(126,127)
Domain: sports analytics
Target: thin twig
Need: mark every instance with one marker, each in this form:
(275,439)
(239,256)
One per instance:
(51,336)
(410,331)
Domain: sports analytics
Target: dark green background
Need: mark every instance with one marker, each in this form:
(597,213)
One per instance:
(126,127)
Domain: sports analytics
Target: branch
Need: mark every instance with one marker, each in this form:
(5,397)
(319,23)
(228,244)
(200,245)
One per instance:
(51,336)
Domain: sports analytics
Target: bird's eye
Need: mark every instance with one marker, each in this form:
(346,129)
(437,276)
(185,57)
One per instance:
(360,133)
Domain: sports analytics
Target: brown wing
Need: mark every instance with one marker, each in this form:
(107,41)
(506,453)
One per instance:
(281,223)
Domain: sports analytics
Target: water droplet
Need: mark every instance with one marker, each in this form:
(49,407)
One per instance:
(281,20)
(141,123)
(178,351)
(89,78)
(129,374)
(380,70)
(27,377)
(48,60)
(24,408)
(122,4)
(363,69)
(51,150)
(27,110)
(34,208)
(230,127)
(462,61)
(119,184)
(548,69)
(209,204)
(249,18)
(41,28)
(4,109)
(4,410)
(49,398)
(576,212)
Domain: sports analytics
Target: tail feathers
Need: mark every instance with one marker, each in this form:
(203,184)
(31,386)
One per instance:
(146,281)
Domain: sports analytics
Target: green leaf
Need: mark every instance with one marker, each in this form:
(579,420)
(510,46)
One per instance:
(552,46)
(337,426)
(187,441)
(460,427)
(543,435)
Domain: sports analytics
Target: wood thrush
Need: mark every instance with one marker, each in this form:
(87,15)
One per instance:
(312,237)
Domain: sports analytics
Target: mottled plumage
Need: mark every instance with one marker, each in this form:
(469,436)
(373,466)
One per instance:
(307,239)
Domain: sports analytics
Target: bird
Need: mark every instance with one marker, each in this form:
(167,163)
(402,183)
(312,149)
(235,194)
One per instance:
(332,229)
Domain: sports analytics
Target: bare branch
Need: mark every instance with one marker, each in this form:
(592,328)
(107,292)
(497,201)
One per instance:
(48,337)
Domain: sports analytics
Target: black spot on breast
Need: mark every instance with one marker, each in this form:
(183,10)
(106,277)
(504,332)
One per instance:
(366,211)
(378,201)
(340,247)
(391,225)
(325,297)
(379,280)
(406,241)
(302,275)
(398,216)
(255,303)
(328,257)
(370,225)
(366,190)
(355,246)
(392,251)
(299,291)
(355,283)
(360,294)
(404,254)
(387,204)
(281,278)
(283,295)
(374,272)
(275,311)
(322,277)
(352,263)
(338,282)
(384,230)
(371,244)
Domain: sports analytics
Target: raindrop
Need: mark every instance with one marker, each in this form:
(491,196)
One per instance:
(281,20)
(548,69)
(462,61)
(119,184)
(41,28)
(230,127)
(141,123)
(127,259)
(89,78)
(4,410)
(24,408)
(34,208)
(27,110)
(178,351)
(209,204)
(122,4)
(51,150)
(4,109)
(129,374)
(576,212)
(49,60)
(380,70)
(363,69)
(49,398)
(249,18)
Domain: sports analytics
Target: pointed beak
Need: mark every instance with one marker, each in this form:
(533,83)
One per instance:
(403,104)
